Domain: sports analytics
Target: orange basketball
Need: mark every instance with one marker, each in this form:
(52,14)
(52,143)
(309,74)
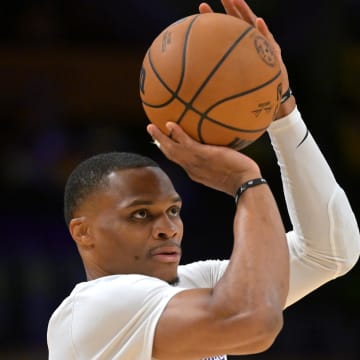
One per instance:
(216,76)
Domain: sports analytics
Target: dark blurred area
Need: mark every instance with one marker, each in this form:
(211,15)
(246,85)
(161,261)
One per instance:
(69,89)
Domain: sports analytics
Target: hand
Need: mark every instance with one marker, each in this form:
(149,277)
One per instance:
(241,10)
(217,167)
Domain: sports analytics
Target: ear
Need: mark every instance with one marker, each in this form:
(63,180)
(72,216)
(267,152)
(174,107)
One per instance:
(80,232)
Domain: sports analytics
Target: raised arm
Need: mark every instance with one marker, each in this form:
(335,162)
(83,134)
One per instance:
(325,241)
(243,313)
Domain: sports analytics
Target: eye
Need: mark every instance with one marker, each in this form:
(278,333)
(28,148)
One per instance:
(174,211)
(141,214)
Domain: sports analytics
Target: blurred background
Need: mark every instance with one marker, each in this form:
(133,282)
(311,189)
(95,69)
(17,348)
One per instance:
(69,89)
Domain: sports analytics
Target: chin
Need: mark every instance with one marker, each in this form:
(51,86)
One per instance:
(174,281)
(167,274)
(171,277)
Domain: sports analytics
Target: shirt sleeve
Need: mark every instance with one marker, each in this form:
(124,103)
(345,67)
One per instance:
(201,274)
(324,242)
(115,317)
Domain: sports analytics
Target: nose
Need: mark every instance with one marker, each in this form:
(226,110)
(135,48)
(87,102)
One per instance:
(164,228)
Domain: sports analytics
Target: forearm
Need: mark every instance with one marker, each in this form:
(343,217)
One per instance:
(242,313)
(253,279)
(325,242)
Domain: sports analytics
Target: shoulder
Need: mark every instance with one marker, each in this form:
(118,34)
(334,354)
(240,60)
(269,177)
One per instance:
(118,289)
(201,274)
(124,307)
(116,294)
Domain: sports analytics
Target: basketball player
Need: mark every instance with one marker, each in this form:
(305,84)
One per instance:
(124,215)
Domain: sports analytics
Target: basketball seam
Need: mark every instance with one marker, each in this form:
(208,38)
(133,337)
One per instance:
(204,116)
(174,94)
(213,71)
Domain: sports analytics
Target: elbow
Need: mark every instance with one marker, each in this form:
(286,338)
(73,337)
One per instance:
(268,324)
(345,233)
(350,261)
(351,251)
(355,253)
(262,327)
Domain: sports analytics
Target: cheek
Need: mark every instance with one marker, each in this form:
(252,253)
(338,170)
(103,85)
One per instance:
(180,229)
(123,242)
(122,253)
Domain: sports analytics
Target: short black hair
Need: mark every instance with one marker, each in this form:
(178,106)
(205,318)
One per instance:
(90,175)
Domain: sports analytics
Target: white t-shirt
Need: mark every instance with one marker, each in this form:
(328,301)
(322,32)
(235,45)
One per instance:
(114,318)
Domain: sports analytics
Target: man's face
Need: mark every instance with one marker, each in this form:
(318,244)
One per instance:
(134,225)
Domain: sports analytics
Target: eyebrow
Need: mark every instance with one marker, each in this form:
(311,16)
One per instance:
(148,202)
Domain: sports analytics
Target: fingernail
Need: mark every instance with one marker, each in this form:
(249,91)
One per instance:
(169,125)
(149,129)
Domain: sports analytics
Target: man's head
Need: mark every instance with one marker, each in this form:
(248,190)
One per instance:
(123,212)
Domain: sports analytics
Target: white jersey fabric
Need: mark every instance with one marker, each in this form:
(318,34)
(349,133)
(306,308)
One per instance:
(115,317)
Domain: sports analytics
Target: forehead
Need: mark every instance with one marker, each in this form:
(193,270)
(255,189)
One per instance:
(140,182)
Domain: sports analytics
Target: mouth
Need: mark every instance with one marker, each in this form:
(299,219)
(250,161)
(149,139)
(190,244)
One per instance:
(166,254)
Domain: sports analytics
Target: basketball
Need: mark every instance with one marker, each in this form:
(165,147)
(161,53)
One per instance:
(216,76)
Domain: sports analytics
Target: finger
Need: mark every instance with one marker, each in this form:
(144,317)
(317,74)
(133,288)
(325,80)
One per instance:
(205,8)
(262,27)
(264,30)
(246,13)
(175,139)
(231,9)
(161,140)
(157,135)
(177,148)
(178,135)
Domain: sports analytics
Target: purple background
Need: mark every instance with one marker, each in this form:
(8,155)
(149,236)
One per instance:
(69,89)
